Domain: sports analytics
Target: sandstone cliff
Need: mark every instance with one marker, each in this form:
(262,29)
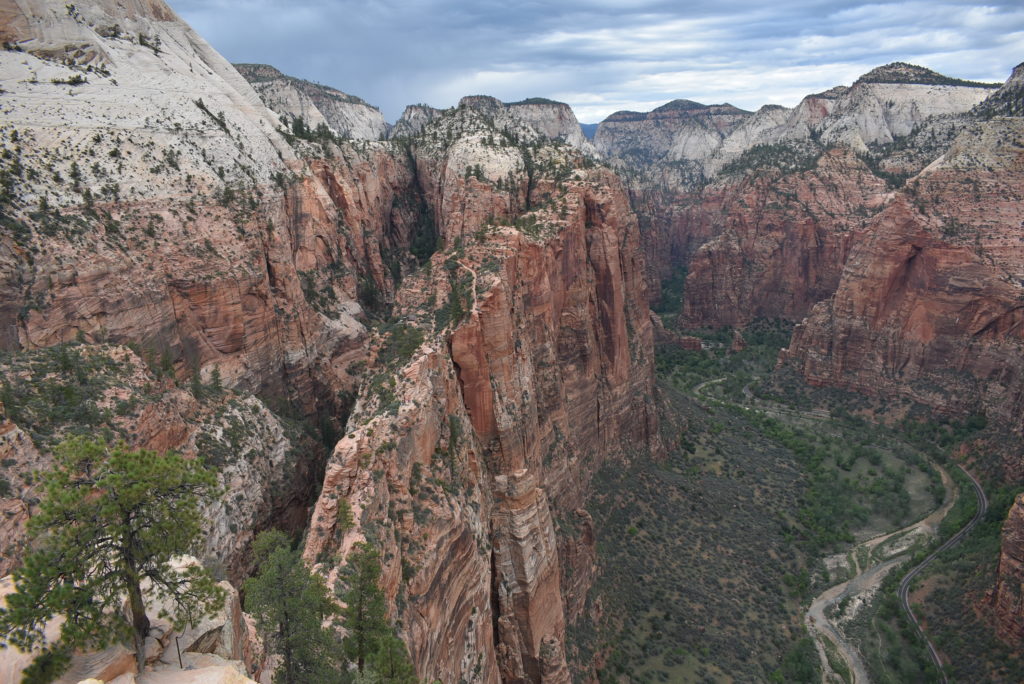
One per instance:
(1007,598)
(149,197)
(764,210)
(462,458)
(52,393)
(929,303)
(780,240)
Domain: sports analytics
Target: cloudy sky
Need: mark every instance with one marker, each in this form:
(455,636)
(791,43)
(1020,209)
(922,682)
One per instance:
(601,56)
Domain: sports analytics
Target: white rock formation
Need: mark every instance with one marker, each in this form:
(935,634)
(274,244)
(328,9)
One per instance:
(413,120)
(150,102)
(885,104)
(346,115)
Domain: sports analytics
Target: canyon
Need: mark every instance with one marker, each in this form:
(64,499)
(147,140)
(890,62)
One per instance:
(434,336)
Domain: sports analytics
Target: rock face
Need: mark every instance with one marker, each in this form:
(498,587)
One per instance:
(887,103)
(509,360)
(1007,599)
(413,120)
(781,242)
(929,303)
(346,115)
(681,131)
(553,120)
(253,453)
(763,208)
(503,413)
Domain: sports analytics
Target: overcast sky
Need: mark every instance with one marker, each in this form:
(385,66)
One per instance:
(601,56)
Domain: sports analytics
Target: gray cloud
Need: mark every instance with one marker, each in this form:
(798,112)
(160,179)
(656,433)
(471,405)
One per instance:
(604,55)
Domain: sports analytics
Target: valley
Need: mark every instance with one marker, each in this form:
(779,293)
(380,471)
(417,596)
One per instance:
(683,402)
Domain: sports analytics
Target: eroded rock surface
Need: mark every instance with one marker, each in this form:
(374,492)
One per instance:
(1007,598)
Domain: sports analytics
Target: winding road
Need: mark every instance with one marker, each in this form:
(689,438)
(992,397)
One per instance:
(867,580)
(904,591)
(870,576)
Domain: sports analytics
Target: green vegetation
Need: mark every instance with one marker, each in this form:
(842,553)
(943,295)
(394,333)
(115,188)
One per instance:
(913,74)
(534,101)
(369,642)
(109,520)
(218,118)
(790,158)
(290,604)
(953,605)
(55,392)
(728,533)
(671,301)
(799,664)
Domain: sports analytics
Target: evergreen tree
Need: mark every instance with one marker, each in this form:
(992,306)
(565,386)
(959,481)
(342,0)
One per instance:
(290,604)
(109,520)
(364,616)
(390,662)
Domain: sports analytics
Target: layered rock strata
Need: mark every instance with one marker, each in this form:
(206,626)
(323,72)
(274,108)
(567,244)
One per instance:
(491,378)
(929,302)
(1007,598)
(464,467)
(760,206)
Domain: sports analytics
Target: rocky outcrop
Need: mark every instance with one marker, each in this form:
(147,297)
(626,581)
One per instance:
(1008,100)
(553,120)
(680,131)
(292,98)
(686,143)
(225,641)
(764,210)
(20,459)
(533,372)
(232,255)
(413,120)
(537,118)
(887,103)
(113,390)
(929,303)
(781,243)
(1007,598)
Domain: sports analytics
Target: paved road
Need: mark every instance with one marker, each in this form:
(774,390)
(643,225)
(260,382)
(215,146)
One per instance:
(870,577)
(904,592)
(866,581)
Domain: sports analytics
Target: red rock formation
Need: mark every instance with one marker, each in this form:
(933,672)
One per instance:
(929,303)
(781,240)
(500,426)
(1007,598)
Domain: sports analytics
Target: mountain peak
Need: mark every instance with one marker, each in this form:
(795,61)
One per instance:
(536,101)
(912,74)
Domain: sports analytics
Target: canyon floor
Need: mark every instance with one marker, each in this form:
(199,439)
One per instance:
(787,490)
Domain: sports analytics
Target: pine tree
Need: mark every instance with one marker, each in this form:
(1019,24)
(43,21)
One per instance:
(109,520)
(290,604)
(363,615)
(390,662)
